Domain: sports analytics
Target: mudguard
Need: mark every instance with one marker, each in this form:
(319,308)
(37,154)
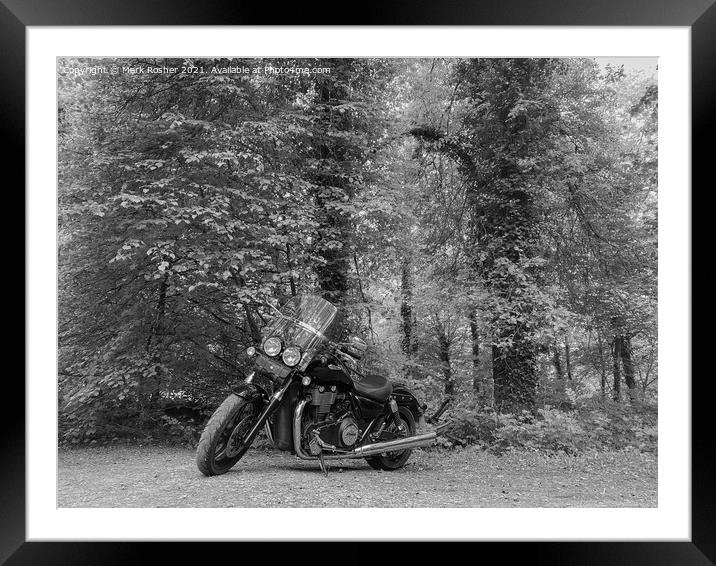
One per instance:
(406,398)
(251,390)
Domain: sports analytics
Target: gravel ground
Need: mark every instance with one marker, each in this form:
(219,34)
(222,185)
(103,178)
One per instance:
(160,476)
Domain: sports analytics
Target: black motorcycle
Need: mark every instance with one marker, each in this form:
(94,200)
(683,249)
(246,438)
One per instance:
(305,390)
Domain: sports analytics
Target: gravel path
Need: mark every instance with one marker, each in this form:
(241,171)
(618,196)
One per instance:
(159,476)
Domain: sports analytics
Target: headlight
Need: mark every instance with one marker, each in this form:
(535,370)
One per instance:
(291,356)
(272,346)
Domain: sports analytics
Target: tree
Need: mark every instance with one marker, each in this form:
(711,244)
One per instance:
(506,134)
(460,211)
(187,202)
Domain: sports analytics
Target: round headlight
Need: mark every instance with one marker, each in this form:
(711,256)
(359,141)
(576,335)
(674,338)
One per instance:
(291,356)
(272,346)
(250,351)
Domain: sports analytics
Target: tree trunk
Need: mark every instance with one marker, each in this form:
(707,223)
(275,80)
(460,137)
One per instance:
(628,364)
(444,356)
(616,355)
(365,299)
(158,323)
(568,359)
(557,362)
(502,206)
(558,368)
(406,307)
(250,318)
(602,365)
(333,275)
(150,383)
(333,225)
(291,280)
(475,339)
(515,377)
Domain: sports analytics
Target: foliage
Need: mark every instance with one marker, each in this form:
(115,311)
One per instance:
(489,225)
(594,425)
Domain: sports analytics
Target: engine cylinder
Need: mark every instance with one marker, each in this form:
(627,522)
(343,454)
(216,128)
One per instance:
(322,400)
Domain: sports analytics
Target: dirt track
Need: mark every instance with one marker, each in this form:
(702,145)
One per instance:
(150,476)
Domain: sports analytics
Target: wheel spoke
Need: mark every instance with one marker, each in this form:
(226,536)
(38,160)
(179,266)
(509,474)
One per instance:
(217,451)
(395,454)
(234,444)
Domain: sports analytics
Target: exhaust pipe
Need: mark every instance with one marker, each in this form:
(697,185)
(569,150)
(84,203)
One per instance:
(398,444)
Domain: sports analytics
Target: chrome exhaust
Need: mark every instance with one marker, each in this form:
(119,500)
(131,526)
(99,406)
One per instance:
(397,444)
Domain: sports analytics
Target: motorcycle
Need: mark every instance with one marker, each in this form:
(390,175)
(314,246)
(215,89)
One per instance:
(306,392)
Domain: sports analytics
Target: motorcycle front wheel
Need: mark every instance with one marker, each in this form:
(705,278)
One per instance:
(221,444)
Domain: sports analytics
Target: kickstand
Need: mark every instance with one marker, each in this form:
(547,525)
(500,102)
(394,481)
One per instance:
(322,462)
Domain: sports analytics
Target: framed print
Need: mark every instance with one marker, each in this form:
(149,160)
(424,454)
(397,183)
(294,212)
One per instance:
(424,275)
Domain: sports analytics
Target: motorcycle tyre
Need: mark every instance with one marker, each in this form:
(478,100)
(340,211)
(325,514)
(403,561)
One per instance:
(386,461)
(224,417)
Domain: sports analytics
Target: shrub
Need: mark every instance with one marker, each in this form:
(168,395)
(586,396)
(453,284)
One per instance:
(551,430)
(595,424)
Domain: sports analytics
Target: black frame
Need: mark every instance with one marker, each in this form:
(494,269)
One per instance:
(699,15)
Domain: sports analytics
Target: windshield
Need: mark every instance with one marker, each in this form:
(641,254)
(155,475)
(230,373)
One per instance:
(306,322)
(313,311)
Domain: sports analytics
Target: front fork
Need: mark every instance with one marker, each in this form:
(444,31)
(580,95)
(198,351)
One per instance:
(272,405)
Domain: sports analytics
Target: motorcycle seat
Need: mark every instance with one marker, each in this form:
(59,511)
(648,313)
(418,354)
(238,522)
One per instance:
(374,387)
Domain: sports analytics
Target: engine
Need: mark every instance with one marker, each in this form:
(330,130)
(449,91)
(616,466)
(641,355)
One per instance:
(333,426)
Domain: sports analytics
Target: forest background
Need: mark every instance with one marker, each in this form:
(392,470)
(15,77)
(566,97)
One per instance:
(490,226)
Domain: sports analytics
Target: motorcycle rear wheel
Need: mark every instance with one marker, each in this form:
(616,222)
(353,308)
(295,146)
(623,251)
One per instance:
(221,444)
(395,460)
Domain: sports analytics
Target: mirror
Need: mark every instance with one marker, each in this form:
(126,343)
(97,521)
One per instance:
(358,343)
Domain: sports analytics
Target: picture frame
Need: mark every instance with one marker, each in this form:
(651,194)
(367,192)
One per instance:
(699,15)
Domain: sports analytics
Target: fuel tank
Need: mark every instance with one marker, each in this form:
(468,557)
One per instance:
(329,376)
